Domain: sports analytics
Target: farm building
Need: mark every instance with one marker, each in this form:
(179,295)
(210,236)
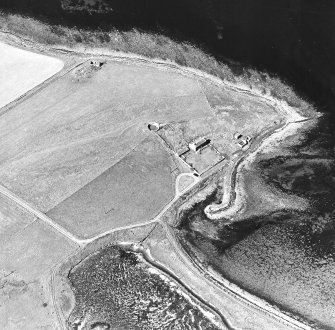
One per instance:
(96,63)
(183,151)
(199,143)
(237,136)
(244,140)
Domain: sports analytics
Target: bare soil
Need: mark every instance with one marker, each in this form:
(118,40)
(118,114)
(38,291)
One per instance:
(22,70)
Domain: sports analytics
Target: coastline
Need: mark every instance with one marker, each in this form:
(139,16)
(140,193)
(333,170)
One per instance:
(293,115)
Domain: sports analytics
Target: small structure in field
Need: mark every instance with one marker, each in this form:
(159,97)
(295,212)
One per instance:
(243,141)
(154,126)
(96,63)
(198,144)
(237,136)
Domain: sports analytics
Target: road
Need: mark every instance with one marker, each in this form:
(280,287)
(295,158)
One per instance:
(82,242)
(243,299)
(4,191)
(281,318)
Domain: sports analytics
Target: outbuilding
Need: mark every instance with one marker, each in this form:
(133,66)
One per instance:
(244,141)
(237,136)
(96,63)
(199,143)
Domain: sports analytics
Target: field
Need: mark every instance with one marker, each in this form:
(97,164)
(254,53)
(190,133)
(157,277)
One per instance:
(152,45)
(24,256)
(204,159)
(75,129)
(22,70)
(131,191)
(12,218)
(80,151)
(232,112)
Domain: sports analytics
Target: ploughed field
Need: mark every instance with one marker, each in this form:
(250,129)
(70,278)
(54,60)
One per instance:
(22,70)
(115,289)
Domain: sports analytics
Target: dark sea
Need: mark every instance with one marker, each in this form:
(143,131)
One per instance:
(293,39)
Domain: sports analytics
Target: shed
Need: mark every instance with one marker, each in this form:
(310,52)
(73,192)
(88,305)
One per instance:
(96,63)
(244,141)
(237,136)
(199,143)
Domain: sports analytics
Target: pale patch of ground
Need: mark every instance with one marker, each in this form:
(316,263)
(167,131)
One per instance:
(25,306)
(21,70)
(184,182)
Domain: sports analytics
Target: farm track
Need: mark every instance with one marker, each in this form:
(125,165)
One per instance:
(82,242)
(128,59)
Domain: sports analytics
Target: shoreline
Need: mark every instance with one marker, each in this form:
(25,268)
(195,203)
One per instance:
(87,52)
(292,114)
(234,195)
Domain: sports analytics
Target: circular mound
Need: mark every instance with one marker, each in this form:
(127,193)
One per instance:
(154,126)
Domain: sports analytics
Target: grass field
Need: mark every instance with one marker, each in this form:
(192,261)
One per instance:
(76,128)
(22,70)
(132,191)
(204,159)
(24,257)
(12,218)
(33,250)
(231,112)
